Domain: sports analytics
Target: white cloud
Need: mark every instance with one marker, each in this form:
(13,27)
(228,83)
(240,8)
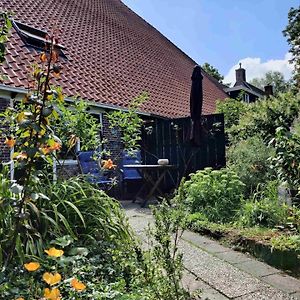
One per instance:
(256,68)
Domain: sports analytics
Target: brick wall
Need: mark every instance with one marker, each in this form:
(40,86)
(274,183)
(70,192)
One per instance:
(113,137)
(4,151)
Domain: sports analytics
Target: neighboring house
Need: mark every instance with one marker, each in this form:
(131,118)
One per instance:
(109,56)
(246,90)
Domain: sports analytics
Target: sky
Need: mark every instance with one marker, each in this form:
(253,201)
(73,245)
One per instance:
(225,32)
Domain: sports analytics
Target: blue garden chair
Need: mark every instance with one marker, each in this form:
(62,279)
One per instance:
(130,175)
(90,168)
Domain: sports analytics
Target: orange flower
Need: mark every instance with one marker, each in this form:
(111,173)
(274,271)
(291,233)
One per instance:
(52,279)
(55,146)
(53,294)
(43,57)
(20,298)
(77,285)
(45,150)
(108,164)
(10,142)
(32,266)
(54,252)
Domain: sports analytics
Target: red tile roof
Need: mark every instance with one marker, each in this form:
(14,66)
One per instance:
(113,56)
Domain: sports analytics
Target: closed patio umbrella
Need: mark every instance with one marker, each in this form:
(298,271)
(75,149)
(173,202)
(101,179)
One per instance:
(196,100)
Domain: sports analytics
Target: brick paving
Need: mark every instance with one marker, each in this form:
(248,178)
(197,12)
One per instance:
(219,272)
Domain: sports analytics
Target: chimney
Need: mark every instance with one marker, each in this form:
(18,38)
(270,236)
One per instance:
(240,75)
(269,90)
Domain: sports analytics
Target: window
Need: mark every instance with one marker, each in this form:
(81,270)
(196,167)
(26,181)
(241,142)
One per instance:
(35,38)
(246,98)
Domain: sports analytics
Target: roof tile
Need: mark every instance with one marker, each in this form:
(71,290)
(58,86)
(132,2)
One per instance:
(113,55)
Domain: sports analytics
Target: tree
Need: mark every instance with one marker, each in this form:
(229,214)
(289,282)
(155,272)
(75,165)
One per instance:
(274,78)
(292,33)
(212,71)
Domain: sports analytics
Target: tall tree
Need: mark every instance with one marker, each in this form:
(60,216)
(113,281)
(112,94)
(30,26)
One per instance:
(274,78)
(292,33)
(212,71)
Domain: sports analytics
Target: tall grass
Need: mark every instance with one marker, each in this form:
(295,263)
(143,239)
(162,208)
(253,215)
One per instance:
(71,207)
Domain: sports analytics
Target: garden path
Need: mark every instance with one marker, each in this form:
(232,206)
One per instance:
(220,272)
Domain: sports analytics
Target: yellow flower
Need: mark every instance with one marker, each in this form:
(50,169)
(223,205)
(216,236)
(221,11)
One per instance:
(10,142)
(77,285)
(52,279)
(54,252)
(32,266)
(20,298)
(53,294)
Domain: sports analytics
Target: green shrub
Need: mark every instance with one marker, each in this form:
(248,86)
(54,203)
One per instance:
(72,207)
(286,160)
(216,193)
(264,209)
(286,242)
(83,210)
(232,110)
(115,266)
(249,159)
(108,272)
(264,116)
(263,213)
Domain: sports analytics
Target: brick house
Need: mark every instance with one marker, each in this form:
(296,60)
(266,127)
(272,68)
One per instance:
(109,56)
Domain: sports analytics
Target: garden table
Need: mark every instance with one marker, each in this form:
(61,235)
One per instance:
(147,171)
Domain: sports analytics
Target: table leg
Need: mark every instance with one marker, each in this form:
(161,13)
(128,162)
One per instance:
(154,188)
(137,197)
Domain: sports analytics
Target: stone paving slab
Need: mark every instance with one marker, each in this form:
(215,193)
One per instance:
(195,285)
(267,293)
(257,268)
(221,272)
(234,257)
(197,238)
(212,247)
(283,282)
(220,275)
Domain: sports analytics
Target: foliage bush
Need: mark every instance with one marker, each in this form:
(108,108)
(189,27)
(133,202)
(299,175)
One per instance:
(264,116)
(264,209)
(89,212)
(129,123)
(263,213)
(286,242)
(286,161)
(77,125)
(249,159)
(112,267)
(164,254)
(102,272)
(72,207)
(215,193)
(232,110)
